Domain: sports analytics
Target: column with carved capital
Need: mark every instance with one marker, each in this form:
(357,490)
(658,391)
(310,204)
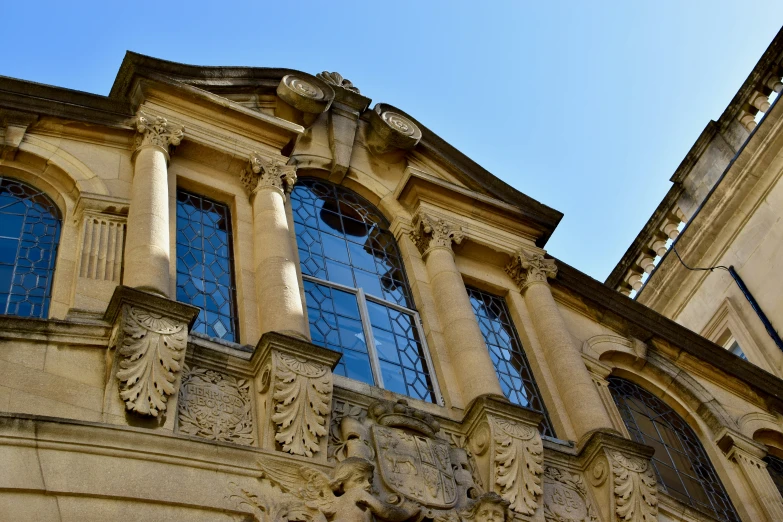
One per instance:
(582,402)
(147,247)
(466,347)
(267,183)
(748,455)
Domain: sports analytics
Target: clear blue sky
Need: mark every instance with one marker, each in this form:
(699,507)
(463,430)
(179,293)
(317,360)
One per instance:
(586,106)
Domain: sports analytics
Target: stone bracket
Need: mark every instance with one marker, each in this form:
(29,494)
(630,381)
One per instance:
(150,336)
(295,383)
(15,124)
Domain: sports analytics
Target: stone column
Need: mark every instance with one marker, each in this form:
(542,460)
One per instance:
(147,247)
(576,388)
(747,455)
(467,349)
(277,287)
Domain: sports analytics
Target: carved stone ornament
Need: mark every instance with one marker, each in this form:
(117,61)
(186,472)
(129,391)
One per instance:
(566,498)
(150,351)
(348,433)
(262,173)
(305,93)
(215,407)
(430,233)
(516,457)
(335,78)
(635,491)
(526,268)
(302,397)
(156,131)
(391,130)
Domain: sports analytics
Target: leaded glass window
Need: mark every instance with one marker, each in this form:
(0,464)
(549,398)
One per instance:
(205,264)
(358,297)
(684,471)
(29,235)
(505,349)
(775,468)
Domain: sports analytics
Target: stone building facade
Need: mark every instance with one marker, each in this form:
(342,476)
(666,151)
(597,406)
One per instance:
(250,294)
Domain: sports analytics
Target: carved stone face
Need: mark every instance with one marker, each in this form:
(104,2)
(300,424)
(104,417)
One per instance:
(359,481)
(490,513)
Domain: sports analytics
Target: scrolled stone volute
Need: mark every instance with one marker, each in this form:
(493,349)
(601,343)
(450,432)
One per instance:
(305,93)
(391,129)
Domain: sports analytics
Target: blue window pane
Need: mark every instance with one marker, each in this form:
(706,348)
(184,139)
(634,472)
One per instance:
(205,275)
(393,378)
(505,350)
(339,273)
(357,366)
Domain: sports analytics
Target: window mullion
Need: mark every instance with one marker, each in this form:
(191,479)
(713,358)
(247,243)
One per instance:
(368,337)
(428,359)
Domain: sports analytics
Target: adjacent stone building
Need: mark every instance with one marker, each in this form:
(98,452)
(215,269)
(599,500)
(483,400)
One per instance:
(249,294)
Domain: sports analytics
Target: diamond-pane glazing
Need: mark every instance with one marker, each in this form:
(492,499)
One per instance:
(205,264)
(507,354)
(29,235)
(683,468)
(343,240)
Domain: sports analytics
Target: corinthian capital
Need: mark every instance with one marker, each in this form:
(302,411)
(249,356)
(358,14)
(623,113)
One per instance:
(156,131)
(430,233)
(262,173)
(526,268)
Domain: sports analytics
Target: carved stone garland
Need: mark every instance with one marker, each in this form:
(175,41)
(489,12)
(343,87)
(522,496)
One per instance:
(430,233)
(265,173)
(635,491)
(302,396)
(150,351)
(516,456)
(215,407)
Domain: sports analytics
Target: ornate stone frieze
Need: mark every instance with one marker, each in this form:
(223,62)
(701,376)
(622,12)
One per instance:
(566,497)
(302,394)
(156,131)
(262,173)
(527,268)
(151,349)
(215,406)
(430,232)
(335,78)
(635,491)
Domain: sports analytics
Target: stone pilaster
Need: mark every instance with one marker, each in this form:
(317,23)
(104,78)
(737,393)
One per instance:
(583,404)
(467,349)
(598,373)
(277,287)
(147,246)
(147,351)
(295,402)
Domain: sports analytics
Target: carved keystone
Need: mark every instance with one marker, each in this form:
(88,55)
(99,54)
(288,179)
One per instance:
(506,444)
(150,337)
(295,382)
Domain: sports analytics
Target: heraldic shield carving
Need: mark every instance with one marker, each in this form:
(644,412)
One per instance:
(415,466)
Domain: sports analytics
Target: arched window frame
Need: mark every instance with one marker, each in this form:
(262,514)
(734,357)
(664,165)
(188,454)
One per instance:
(364,299)
(28,233)
(716,492)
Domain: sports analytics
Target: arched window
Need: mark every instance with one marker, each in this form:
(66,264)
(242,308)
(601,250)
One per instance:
(683,468)
(358,298)
(29,235)
(507,354)
(205,264)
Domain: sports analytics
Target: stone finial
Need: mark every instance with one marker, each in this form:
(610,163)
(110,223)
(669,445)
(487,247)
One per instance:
(430,233)
(335,78)
(526,268)
(263,173)
(156,131)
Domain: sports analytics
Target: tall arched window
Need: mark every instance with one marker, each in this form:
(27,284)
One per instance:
(29,235)
(358,298)
(684,471)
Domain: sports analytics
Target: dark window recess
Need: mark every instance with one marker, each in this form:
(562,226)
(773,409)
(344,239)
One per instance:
(205,264)
(358,298)
(683,468)
(507,354)
(775,468)
(29,235)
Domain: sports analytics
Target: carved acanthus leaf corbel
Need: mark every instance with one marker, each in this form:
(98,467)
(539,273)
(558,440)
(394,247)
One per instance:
(519,461)
(263,173)
(302,398)
(526,268)
(430,232)
(635,492)
(150,351)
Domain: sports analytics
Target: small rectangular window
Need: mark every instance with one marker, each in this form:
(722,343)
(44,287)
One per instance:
(205,264)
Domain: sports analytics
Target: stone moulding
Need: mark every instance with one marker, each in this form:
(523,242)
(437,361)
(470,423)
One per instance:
(150,337)
(566,498)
